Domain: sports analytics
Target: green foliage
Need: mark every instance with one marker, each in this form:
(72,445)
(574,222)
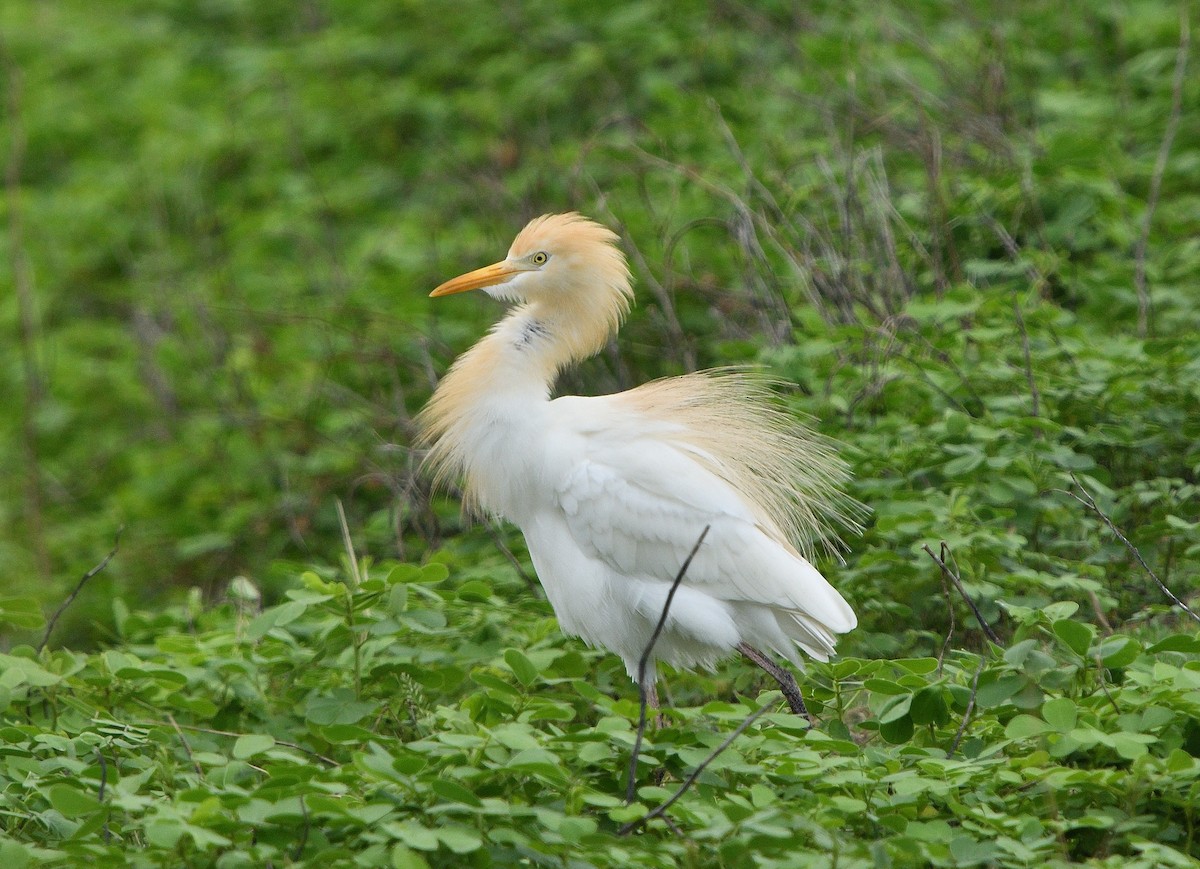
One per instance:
(426,719)
(950,227)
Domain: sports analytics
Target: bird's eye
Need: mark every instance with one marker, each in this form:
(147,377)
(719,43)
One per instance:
(539,258)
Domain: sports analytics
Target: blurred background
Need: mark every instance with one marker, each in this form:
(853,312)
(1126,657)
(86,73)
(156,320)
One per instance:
(969,233)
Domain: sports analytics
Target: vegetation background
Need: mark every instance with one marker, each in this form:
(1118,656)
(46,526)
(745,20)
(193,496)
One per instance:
(969,233)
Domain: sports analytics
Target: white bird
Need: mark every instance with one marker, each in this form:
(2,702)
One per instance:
(612,492)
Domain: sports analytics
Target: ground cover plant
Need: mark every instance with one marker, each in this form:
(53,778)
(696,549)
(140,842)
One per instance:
(964,238)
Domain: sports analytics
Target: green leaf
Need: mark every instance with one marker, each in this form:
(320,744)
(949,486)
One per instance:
(275,617)
(1060,610)
(897,731)
(251,744)
(487,680)
(425,574)
(414,835)
(1060,713)
(929,706)
(1131,746)
(21,612)
(476,591)
(971,852)
(16,671)
(14,855)
(72,801)
(454,792)
(997,690)
(1118,651)
(459,839)
(1176,643)
(405,858)
(963,464)
(895,708)
(521,666)
(1024,726)
(885,686)
(164,833)
(1077,636)
(920,666)
(338,707)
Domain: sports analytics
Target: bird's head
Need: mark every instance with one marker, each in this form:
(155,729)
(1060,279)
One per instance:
(556,261)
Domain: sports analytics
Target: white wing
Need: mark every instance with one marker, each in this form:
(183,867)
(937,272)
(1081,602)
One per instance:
(638,502)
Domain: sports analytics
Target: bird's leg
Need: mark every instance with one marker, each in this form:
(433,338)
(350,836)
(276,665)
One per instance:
(787,682)
(660,720)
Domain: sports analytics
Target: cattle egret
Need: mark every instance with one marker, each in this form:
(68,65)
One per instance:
(612,492)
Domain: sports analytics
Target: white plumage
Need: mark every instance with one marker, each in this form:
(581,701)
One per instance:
(612,492)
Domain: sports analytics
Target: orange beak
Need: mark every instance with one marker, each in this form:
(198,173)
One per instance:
(488,276)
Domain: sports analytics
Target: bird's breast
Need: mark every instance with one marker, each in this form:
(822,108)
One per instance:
(507,466)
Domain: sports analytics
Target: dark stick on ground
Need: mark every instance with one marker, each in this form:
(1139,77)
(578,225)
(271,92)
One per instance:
(687,783)
(953,577)
(782,675)
(644,690)
(962,727)
(62,607)
(1088,501)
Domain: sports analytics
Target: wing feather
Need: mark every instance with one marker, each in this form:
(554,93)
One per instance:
(640,506)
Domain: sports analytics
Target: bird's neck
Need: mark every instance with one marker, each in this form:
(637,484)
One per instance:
(524,353)
(491,401)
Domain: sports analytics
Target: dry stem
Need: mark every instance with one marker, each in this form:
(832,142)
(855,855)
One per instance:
(1160,168)
(644,662)
(1088,501)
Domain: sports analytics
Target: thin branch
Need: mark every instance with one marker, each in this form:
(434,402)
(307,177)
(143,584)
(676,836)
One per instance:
(962,727)
(187,748)
(645,662)
(1098,611)
(953,621)
(1088,501)
(690,780)
(100,790)
(1103,685)
(676,334)
(299,852)
(78,588)
(494,533)
(1160,168)
(953,577)
(328,761)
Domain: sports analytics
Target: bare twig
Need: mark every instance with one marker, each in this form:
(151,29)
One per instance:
(328,761)
(962,727)
(78,588)
(1098,611)
(299,851)
(1104,685)
(1038,280)
(690,780)
(953,577)
(644,662)
(953,621)
(1088,501)
(187,748)
(675,331)
(1160,168)
(494,533)
(100,790)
